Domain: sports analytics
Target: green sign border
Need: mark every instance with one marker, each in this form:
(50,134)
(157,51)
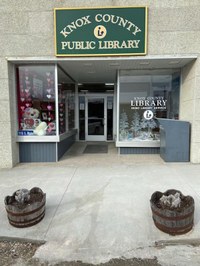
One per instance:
(105,54)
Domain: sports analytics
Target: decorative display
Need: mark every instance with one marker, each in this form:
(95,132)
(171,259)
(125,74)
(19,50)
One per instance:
(144,97)
(41,129)
(66,105)
(61,118)
(36,100)
(30,118)
(50,91)
(139,128)
(123,126)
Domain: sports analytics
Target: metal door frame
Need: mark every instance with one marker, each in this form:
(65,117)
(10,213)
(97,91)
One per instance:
(96,137)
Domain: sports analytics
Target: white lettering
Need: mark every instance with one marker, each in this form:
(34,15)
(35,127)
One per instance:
(136,30)
(64,44)
(74,25)
(98,17)
(78,45)
(149,102)
(129,44)
(113,19)
(120,21)
(106,18)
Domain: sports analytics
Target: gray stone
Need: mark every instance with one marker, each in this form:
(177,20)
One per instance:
(22,45)
(187,91)
(197,92)
(5,155)
(195,131)
(195,152)
(5,134)
(161,43)
(4,111)
(3,68)
(4,89)
(13,22)
(187,42)
(181,19)
(187,110)
(189,71)
(197,109)
(15,152)
(34,5)
(41,23)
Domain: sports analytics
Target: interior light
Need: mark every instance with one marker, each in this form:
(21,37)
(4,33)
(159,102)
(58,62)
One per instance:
(109,84)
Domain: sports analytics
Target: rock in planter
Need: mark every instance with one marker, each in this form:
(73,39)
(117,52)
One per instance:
(25,207)
(172,212)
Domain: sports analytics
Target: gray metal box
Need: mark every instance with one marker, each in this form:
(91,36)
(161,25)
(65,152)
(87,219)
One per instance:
(174,140)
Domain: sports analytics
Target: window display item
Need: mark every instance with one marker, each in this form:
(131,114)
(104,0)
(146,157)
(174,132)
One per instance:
(30,118)
(41,129)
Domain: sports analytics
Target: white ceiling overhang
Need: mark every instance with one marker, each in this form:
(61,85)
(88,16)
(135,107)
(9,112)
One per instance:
(104,69)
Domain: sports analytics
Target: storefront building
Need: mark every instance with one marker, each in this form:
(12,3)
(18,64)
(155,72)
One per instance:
(99,72)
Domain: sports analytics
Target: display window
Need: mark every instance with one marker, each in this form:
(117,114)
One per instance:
(36,100)
(143,97)
(39,98)
(66,104)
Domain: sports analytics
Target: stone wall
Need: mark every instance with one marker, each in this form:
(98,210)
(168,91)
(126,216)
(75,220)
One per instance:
(26,29)
(190,105)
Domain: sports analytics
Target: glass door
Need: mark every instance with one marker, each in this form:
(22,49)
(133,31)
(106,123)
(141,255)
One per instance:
(95,118)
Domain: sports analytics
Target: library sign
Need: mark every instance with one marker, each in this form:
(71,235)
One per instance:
(154,103)
(100,31)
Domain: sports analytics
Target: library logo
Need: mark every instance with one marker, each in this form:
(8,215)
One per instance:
(100,32)
(148,114)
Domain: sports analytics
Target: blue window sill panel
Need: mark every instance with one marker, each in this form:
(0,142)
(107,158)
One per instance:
(31,138)
(45,148)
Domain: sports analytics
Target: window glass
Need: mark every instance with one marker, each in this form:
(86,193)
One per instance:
(143,97)
(110,118)
(36,100)
(66,104)
(82,117)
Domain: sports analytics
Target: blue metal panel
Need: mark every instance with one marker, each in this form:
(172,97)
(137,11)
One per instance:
(174,140)
(135,150)
(37,152)
(64,145)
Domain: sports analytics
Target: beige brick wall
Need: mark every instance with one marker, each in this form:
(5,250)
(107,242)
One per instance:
(26,29)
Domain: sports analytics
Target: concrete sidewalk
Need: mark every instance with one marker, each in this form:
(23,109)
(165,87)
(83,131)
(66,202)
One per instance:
(100,211)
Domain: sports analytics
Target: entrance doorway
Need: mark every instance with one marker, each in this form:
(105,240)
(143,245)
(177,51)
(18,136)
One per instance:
(96,118)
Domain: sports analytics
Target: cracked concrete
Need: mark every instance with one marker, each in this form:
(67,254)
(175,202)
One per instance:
(99,211)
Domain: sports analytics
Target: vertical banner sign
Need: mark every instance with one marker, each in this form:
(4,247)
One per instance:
(100,31)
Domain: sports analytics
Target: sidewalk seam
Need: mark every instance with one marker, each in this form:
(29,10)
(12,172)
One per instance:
(60,203)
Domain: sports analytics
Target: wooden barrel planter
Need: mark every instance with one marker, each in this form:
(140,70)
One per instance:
(174,221)
(29,213)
